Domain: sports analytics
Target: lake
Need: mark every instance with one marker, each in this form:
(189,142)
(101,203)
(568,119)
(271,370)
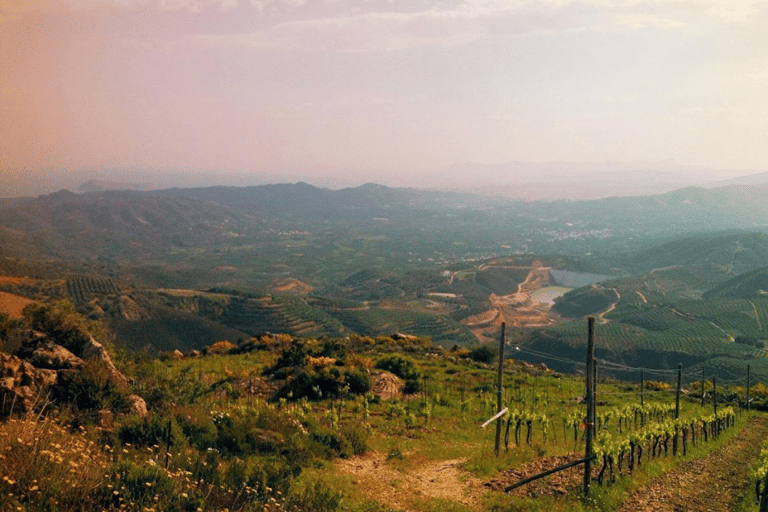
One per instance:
(548,294)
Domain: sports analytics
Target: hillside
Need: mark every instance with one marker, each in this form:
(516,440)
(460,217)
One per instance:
(109,226)
(746,285)
(363,424)
(736,251)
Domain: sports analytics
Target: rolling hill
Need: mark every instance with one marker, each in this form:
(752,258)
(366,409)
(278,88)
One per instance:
(746,285)
(112,226)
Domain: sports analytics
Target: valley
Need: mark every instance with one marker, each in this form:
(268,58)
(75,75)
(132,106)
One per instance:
(182,268)
(308,349)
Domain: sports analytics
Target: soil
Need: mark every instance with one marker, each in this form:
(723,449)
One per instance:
(556,484)
(379,481)
(292,285)
(517,309)
(13,304)
(717,480)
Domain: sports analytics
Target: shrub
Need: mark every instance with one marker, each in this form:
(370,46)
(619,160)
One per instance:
(221,347)
(357,437)
(200,431)
(333,443)
(295,356)
(315,497)
(400,366)
(325,382)
(150,431)
(411,386)
(91,387)
(483,354)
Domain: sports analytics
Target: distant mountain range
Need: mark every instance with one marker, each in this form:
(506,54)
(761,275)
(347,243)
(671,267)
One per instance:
(65,225)
(138,224)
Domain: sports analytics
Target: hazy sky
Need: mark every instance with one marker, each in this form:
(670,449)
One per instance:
(376,90)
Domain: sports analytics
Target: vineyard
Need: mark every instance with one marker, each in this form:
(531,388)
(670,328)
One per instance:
(545,424)
(82,289)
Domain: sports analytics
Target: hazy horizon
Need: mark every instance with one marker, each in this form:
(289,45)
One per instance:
(404,93)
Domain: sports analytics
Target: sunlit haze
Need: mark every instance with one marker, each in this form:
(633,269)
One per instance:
(399,92)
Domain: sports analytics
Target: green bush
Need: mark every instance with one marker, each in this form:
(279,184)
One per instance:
(325,382)
(411,386)
(160,389)
(333,443)
(91,387)
(357,437)
(483,354)
(200,430)
(315,497)
(150,431)
(400,366)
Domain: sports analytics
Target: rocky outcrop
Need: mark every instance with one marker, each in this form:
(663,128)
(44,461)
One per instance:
(23,387)
(34,364)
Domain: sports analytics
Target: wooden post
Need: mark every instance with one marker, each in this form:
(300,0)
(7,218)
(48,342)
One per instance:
(499,386)
(167,444)
(679,388)
(714,393)
(764,496)
(747,388)
(642,397)
(548,472)
(702,385)
(590,403)
(594,397)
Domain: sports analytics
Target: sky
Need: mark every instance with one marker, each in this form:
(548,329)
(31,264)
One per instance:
(388,91)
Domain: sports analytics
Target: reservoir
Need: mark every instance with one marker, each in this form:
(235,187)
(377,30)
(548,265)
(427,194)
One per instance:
(548,294)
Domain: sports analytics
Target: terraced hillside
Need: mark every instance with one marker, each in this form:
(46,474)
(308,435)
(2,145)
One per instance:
(666,315)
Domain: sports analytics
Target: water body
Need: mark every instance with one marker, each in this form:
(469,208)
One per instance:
(572,279)
(548,294)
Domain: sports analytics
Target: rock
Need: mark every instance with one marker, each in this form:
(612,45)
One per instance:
(53,357)
(173,354)
(137,405)
(39,362)
(23,388)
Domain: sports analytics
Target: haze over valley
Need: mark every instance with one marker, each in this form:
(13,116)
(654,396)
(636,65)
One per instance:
(182,268)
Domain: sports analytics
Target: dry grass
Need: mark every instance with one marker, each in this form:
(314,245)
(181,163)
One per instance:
(44,463)
(13,304)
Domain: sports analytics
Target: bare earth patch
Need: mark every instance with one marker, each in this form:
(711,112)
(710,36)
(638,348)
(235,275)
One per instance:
(557,484)
(379,481)
(13,304)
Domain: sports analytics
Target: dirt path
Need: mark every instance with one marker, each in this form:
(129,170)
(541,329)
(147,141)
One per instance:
(713,482)
(601,317)
(377,480)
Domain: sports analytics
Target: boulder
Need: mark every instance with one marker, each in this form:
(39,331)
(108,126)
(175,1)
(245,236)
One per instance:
(53,357)
(35,363)
(137,405)
(23,387)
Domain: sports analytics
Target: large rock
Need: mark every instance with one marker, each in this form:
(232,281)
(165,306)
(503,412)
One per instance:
(35,363)
(23,387)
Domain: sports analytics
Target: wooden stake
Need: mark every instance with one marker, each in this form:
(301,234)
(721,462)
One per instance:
(590,403)
(500,386)
(679,387)
(642,397)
